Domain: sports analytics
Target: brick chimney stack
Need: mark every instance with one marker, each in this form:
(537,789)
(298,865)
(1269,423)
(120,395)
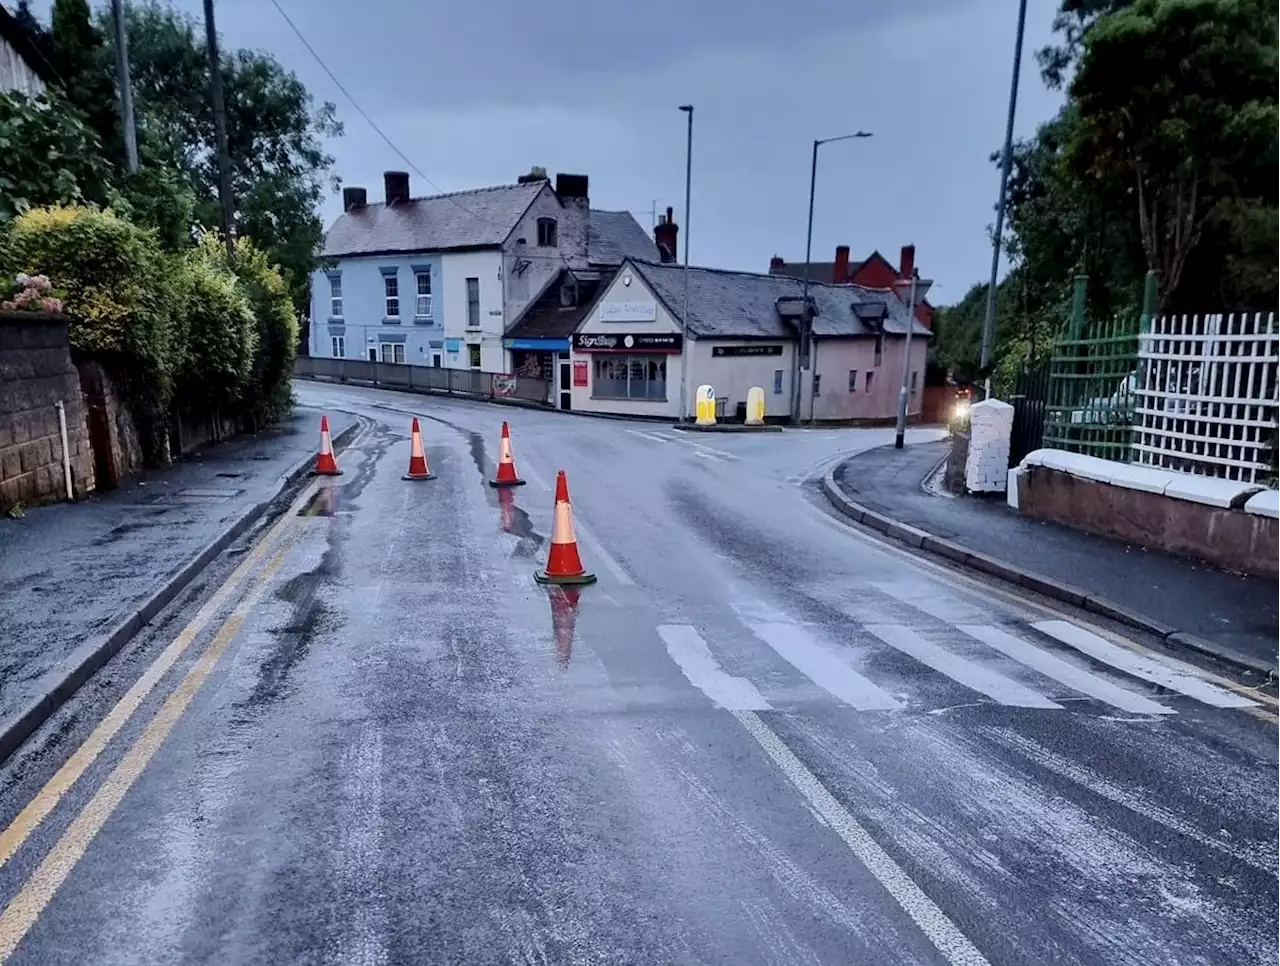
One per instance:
(776,265)
(907,262)
(840,271)
(396,187)
(664,234)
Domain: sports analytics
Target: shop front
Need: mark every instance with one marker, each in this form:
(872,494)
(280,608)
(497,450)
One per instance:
(543,359)
(634,373)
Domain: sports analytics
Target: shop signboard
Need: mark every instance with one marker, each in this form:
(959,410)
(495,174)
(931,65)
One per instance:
(746,350)
(647,342)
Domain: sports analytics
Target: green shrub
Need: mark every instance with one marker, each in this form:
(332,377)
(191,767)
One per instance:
(222,337)
(271,305)
(117,292)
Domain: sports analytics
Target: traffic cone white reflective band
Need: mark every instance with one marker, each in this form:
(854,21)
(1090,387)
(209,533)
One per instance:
(506,465)
(564,566)
(418,469)
(326,463)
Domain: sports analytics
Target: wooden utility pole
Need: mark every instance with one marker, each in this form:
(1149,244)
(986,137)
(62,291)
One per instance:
(220,129)
(126,86)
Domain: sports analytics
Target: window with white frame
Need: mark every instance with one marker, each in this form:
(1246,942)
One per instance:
(391,289)
(335,296)
(392,352)
(546,233)
(339,346)
(630,377)
(422,305)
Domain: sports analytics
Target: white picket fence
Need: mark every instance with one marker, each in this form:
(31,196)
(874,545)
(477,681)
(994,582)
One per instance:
(1207,394)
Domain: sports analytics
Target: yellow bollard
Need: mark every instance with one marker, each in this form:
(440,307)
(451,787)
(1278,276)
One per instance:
(755,406)
(705,406)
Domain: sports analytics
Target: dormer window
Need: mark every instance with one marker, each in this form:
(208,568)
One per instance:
(546,233)
(569,294)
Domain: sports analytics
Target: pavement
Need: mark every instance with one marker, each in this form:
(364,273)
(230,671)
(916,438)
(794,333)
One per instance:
(1236,614)
(762,737)
(76,573)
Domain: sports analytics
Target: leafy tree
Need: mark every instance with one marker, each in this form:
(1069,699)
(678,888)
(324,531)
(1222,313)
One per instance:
(1073,20)
(279,168)
(86,69)
(1176,101)
(48,155)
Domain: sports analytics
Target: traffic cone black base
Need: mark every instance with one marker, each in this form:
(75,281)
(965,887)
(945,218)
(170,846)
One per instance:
(429,476)
(499,483)
(574,580)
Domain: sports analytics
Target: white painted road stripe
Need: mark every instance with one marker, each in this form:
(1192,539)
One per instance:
(822,667)
(925,597)
(970,674)
(1148,669)
(690,651)
(1063,672)
(945,935)
(650,436)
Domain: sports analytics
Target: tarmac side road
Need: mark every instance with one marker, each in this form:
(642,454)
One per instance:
(759,738)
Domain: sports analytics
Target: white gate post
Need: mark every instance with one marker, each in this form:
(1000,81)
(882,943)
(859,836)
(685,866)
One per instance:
(990,428)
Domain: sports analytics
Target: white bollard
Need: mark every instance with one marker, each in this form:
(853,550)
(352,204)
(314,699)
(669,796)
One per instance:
(990,428)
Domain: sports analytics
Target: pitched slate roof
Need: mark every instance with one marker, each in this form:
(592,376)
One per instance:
(818,271)
(546,318)
(743,305)
(464,219)
(613,236)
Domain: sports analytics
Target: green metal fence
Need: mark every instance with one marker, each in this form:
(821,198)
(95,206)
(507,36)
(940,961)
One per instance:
(1092,380)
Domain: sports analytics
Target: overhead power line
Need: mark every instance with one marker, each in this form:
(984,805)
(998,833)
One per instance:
(372,123)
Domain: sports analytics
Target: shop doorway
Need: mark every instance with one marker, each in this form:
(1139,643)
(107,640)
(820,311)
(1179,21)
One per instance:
(565,383)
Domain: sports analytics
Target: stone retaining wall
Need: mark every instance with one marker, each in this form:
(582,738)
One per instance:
(35,374)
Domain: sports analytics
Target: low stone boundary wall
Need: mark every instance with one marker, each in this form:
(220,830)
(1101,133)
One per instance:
(1228,524)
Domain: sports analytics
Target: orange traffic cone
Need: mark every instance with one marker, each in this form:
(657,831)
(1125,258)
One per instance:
(326,465)
(564,566)
(506,465)
(418,469)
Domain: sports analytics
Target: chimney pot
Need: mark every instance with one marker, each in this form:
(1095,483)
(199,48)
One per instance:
(840,271)
(396,185)
(354,197)
(907,262)
(664,235)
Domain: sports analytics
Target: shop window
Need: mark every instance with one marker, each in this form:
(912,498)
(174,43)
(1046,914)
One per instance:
(630,377)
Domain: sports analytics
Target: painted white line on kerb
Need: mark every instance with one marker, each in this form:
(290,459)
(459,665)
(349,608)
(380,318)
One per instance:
(946,937)
(690,652)
(1149,669)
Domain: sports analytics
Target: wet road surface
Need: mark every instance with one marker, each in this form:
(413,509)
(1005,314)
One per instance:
(760,738)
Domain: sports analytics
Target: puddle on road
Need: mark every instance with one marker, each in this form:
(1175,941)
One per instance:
(564,620)
(323,503)
(516,522)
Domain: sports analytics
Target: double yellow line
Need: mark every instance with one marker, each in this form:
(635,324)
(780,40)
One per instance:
(256,572)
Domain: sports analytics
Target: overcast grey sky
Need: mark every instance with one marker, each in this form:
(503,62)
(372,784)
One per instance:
(476,92)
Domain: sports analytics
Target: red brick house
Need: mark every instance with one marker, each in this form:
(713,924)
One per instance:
(875,271)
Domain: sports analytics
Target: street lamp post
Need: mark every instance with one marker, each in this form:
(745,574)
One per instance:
(688,185)
(806,319)
(903,392)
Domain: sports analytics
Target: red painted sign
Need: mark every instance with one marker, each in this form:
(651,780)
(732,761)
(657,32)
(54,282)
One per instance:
(580,374)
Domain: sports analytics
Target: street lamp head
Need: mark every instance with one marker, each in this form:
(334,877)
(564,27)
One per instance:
(687,107)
